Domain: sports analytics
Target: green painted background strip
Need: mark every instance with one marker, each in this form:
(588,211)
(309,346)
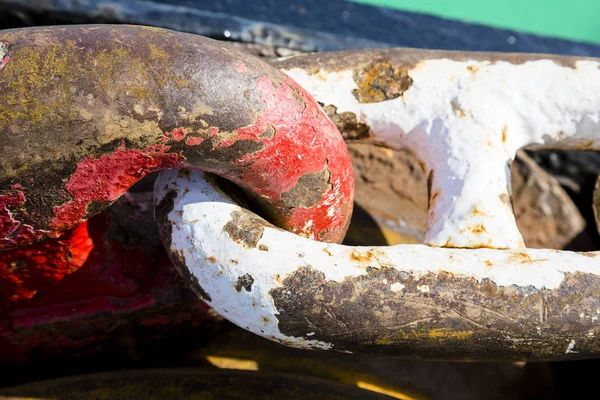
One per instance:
(574,19)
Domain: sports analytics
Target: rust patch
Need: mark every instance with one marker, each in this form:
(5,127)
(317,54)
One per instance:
(367,256)
(263,247)
(458,111)
(245,228)
(458,318)
(430,198)
(479,228)
(504,134)
(211,259)
(245,281)
(268,133)
(380,81)
(478,211)
(348,124)
(309,189)
(473,69)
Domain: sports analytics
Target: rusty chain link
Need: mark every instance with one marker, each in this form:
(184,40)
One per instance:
(87,111)
(100,107)
(473,291)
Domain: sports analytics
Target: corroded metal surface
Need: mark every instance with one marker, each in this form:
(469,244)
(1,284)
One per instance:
(85,99)
(407,300)
(89,110)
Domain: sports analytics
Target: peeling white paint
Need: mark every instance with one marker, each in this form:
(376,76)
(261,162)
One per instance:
(199,218)
(217,261)
(465,120)
(571,347)
(396,287)
(423,288)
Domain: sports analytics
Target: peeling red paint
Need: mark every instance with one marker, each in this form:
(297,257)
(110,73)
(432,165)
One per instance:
(106,178)
(13,232)
(8,225)
(6,58)
(194,141)
(177,134)
(304,141)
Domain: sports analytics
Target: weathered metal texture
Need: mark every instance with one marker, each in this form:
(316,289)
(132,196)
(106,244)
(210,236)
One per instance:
(88,110)
(391,194)
(596,204)
(126,299)
(190,383)
(407,300)
(459,112)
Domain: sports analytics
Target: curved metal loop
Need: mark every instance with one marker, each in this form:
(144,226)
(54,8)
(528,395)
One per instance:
(482,295)
(404,300)
(87,111)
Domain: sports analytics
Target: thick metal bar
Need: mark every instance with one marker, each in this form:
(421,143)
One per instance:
(410,301)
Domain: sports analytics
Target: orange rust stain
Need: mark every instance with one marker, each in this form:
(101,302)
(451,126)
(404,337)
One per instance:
(327,252)
(524,258)
(211,259)
(590,254)
(447,333)
(488,263)
(479,228)
(478,211)
(265,320)
(473,69)
(490,290)
(363,257)
(504,134)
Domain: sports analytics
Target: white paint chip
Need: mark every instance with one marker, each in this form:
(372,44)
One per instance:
(571,347)
(397,287)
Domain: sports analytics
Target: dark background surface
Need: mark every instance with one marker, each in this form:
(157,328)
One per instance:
(308,25)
